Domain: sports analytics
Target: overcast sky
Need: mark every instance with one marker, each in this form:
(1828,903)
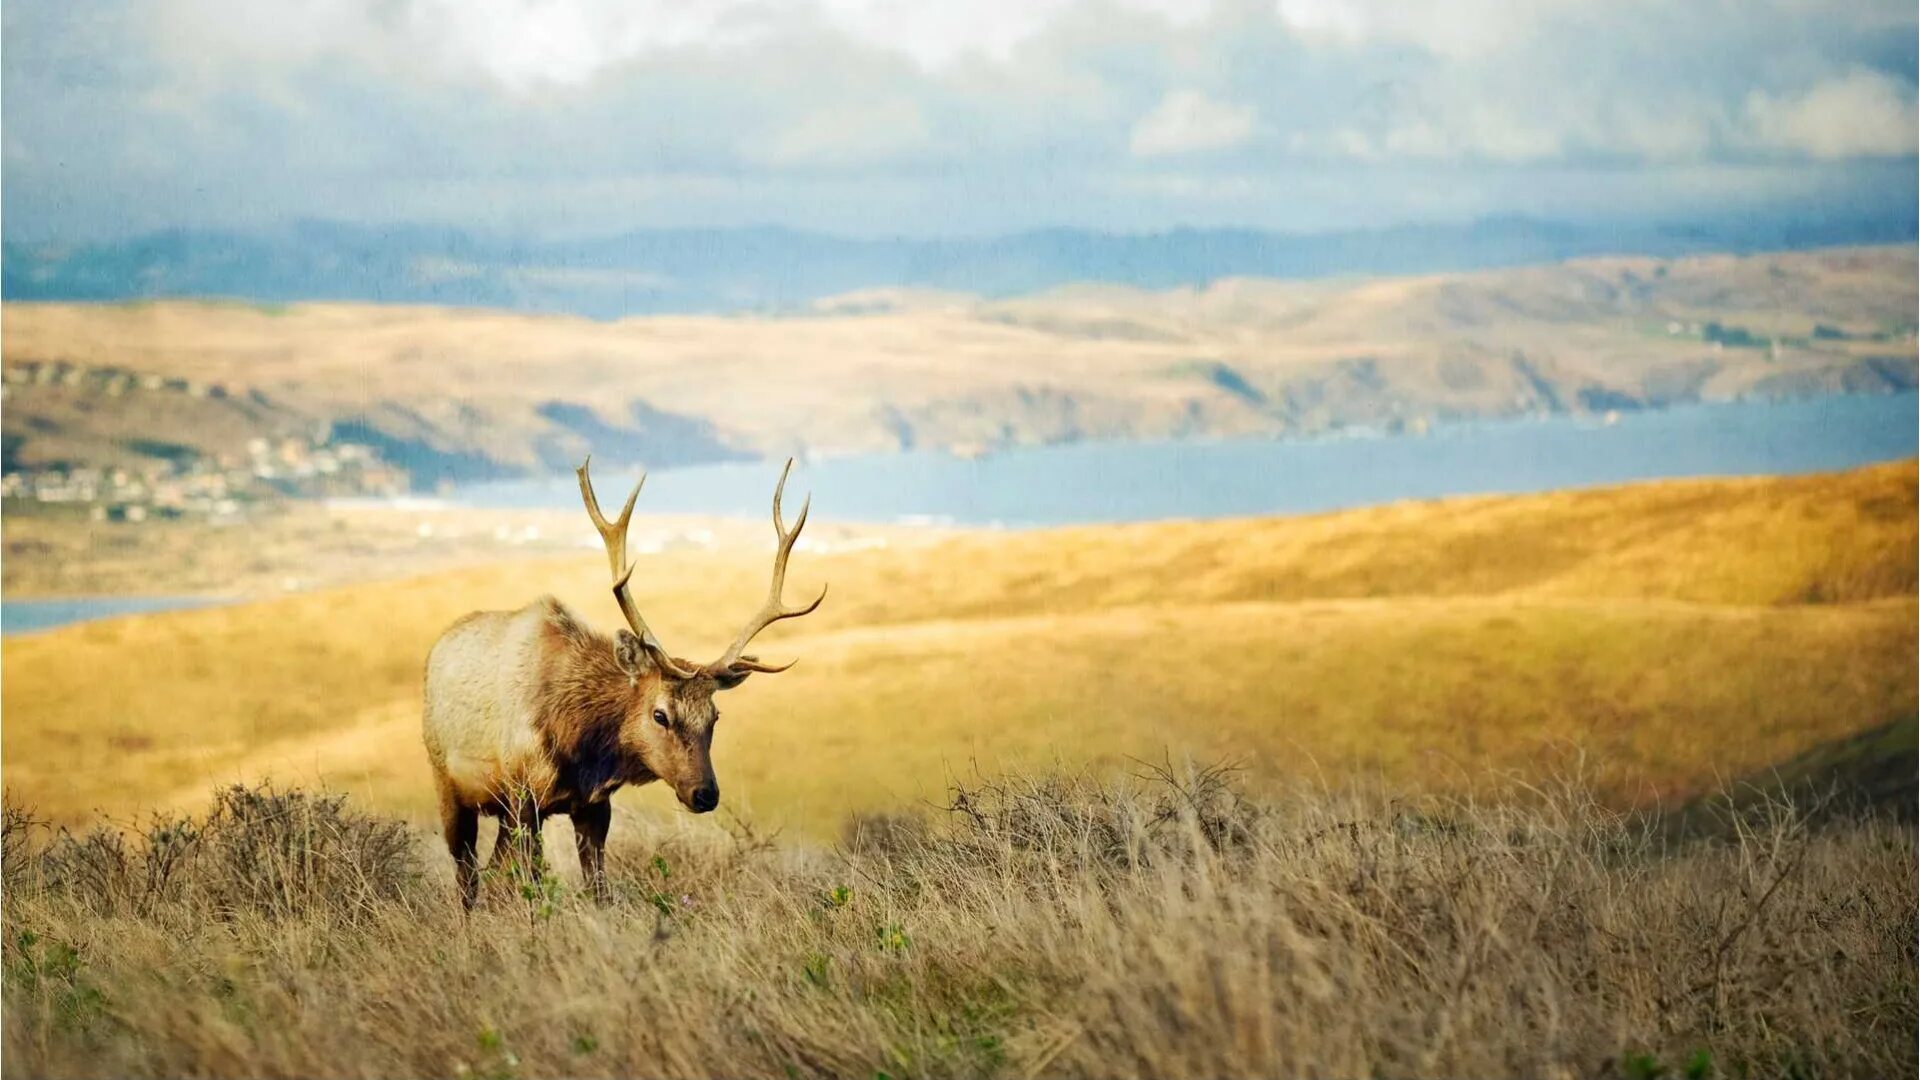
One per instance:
(546,117)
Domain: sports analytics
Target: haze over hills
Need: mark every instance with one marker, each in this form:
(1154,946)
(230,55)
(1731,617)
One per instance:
(892,369)
(773,269)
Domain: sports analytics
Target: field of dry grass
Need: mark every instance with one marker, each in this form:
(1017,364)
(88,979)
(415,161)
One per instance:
(1058,925)
(1671,634)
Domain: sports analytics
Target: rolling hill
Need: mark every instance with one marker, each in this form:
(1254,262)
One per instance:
(1658,638)
(890,369)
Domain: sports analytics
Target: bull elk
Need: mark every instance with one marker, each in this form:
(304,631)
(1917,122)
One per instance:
(530,713)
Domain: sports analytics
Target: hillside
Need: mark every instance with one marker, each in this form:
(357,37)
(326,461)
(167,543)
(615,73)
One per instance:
(1663,636)
(167,382)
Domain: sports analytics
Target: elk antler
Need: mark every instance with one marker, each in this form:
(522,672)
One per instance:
(614,536)
(773,610)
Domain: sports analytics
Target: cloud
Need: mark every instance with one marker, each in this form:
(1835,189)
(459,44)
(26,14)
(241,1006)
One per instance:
(541,115)
(936,35)
(524,45)
(1486,134)
(1186,122)
(1860,114)
(1462,29)
(860,134)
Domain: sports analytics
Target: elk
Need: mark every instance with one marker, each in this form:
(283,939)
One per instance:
(530,713)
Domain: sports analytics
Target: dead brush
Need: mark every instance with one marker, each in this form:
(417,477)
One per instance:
(1084,821)
(16,838)
(283,853)
(258,851)
(111,871)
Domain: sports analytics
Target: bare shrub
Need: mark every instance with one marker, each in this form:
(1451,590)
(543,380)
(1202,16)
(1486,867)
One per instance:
(16,837)
(283,853)
(259,851)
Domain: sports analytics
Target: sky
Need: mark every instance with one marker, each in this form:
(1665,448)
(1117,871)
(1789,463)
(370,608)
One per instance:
(548,118)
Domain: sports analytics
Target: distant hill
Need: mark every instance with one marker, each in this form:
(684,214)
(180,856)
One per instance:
(775,269)
(453,394)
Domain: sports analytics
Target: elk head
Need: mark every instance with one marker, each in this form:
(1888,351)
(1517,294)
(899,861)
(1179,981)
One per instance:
(670,715)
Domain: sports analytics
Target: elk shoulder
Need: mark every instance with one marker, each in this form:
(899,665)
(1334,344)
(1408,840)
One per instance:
(488,680)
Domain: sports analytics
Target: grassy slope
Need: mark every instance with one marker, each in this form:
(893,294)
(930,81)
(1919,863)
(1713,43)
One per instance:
(1673,633)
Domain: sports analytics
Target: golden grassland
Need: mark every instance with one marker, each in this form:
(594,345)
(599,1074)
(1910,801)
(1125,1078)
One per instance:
(1058,926)
(1670,634)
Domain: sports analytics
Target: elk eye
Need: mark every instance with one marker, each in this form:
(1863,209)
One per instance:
(660,717)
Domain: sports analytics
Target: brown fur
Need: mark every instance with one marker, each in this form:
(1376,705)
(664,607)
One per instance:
(587,708)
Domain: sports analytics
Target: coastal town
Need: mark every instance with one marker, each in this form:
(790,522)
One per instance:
(303,460)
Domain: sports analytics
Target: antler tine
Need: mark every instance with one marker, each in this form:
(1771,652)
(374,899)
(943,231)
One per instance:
(775,608)
(614,536)
(750,663)
(779,526)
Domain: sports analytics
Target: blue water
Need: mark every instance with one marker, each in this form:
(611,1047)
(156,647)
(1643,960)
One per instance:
(26,616)
(1107,482)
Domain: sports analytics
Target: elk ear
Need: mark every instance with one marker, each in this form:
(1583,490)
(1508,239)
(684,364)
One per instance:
(631,654)
(730,677)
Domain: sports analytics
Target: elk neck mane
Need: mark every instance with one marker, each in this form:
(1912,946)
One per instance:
(583,699)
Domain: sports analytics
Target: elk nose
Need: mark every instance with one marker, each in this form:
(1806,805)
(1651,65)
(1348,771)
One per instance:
(705,797)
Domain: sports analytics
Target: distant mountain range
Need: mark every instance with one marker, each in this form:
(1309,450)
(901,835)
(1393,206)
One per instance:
(772,269)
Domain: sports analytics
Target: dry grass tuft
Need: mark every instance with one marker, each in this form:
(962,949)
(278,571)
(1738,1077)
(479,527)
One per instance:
(1059,924)
(1078,822)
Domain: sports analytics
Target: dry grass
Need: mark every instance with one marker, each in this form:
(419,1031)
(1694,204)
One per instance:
(1674,633)
(1064,925)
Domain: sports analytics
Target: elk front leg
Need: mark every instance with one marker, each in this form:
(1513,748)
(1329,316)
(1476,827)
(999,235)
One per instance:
(462,824)
(517,845)
(590,824)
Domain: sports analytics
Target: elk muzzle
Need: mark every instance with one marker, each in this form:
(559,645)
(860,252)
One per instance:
(701,798)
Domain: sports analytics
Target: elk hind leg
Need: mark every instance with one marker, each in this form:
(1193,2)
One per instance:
(462,825)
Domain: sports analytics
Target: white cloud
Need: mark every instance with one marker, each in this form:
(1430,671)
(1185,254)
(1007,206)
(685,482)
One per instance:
(525,43)
(1861,114)
(863,134)
(1482,132)
(936,34)
(1187,121)
(1456,28)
